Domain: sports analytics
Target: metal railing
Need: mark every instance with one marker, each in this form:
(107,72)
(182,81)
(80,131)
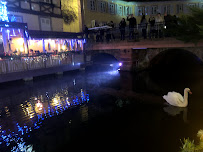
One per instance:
(137,33)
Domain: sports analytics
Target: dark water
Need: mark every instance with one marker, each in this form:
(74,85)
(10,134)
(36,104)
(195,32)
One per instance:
(93,111)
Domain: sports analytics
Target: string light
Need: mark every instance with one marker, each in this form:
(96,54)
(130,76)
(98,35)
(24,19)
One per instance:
(3,11)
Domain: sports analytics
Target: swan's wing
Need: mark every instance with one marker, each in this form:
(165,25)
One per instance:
(174,98)
(169,100)
(178,96)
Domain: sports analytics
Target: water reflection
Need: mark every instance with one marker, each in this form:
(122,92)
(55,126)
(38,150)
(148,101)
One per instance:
(173,111)
(35,110)
(137,113)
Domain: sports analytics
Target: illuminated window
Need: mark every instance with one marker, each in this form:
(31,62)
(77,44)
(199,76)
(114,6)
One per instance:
(201,5)
(102,6)
(154,10)
(112,8)
(179,8)
(192,5)
(167,9)
(141,10)
(127,10)
(92,4)
(120,9)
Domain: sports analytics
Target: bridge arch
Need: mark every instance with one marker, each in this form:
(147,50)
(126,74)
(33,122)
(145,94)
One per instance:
(103,58)
(176,58)
(109,53)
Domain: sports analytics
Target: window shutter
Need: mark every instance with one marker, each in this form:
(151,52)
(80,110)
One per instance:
(172,9)
(88,5)
(185,8)
(115,7)
(136,10)
(147,10)
(130,10)
(124,14)
(109,8)
(95,4)
(105,7)
(99,6)
(201,5)
(177,8)
(161,10)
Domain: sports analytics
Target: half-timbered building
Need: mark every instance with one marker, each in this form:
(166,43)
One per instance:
(43,15)
(34,26)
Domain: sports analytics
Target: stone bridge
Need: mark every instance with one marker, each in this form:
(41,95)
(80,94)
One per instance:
(138,55)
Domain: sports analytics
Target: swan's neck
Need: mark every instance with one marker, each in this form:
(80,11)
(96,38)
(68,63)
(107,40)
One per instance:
(185,101)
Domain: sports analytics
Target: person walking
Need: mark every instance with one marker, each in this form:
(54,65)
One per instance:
(143,25)
(122,26)
(132,25)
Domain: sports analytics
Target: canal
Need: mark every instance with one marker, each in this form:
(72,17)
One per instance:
(100,110)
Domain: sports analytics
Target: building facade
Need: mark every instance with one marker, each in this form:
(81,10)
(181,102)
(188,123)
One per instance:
(100,12)
(34,26)
(43,15)
(75,6)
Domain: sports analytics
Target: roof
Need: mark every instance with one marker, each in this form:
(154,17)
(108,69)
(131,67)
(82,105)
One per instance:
(51,34)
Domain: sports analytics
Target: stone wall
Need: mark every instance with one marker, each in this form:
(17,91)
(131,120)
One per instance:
(134,59)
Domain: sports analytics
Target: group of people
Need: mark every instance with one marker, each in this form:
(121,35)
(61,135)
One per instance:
(152,28)
(155,26)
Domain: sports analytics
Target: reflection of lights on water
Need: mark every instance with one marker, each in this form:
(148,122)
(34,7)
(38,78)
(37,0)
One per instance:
(7,111)
(114,72)
(60,103)
(39,105)
(56,101)
(28,110)
(74,82)
(67,100)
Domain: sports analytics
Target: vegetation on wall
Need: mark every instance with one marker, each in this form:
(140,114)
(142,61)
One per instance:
(189,28)
(69,14)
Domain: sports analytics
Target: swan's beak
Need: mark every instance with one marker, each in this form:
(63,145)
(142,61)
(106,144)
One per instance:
(190,92)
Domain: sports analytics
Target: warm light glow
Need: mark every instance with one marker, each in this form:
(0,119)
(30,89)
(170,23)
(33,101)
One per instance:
(21,49)
(63,47)
(20,41)
(39,105)
(55,101)
(35,45)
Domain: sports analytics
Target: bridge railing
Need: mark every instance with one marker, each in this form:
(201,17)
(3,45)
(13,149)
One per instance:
(152,32)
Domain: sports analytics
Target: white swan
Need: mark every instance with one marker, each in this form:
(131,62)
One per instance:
(176,99)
